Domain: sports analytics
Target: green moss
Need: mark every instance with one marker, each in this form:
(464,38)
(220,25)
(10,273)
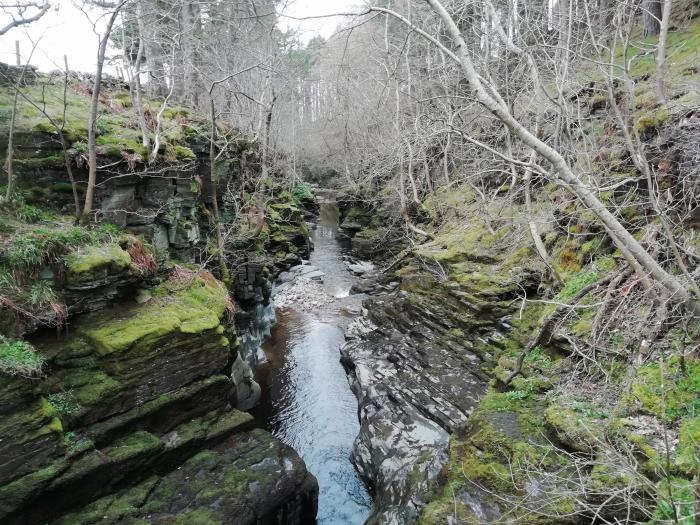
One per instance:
(176,111)
(687,458)
(579,281)
(189,308)
(568,258)
(455,244)
(13,494)
(64,403)
(302,193)
(674,395)
(605,477)
(197,517)
(124,98)
(575,428)
(651,121)
(132,445)
(88,386)
(493,460)
(66,187)
(51,161)
(92,262)
(183,153)
(122,507)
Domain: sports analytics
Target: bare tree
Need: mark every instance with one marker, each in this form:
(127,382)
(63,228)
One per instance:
(9,168)
(487,94)
(661,66)
(92,118)
(23,13)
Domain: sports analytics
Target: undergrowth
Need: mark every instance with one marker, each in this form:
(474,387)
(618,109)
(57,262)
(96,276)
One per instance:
(19,358)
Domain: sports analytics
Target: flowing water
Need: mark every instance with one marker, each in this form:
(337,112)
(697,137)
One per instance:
(306,400)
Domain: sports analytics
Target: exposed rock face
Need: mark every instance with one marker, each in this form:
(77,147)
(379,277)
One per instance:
(416,363)
(249,479)
(31,431)
(136,391)
(149,376)
(413,392)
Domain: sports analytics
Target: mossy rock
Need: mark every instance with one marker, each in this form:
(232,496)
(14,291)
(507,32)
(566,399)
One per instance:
(575,429)
(651,121)
(486,472)
(188,308)
(671,396)
(93,264)
(253,479)
(183,153)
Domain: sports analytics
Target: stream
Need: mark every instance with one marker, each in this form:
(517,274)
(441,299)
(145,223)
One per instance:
(306,399)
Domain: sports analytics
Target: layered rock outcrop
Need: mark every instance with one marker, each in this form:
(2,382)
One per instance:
(130,395)
(419,361)
(143,391)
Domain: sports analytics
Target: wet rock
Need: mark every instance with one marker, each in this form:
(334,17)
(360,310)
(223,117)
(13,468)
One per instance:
(248,480)
(247,391)
(132,393)
(417,378)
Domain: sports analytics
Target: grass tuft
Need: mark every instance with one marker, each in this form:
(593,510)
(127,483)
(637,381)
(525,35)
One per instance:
(19,358)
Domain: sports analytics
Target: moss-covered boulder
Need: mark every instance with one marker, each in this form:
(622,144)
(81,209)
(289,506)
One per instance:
(575,428)
(93,266)
(503,468)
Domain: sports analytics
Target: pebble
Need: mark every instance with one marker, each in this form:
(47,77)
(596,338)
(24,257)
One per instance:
(304,294)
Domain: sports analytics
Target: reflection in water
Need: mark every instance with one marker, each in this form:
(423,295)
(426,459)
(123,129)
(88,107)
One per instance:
(307,401)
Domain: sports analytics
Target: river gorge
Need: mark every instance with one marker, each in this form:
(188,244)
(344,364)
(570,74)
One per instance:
(306,399)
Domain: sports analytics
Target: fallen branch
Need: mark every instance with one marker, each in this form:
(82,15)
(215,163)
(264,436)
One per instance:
(548,325)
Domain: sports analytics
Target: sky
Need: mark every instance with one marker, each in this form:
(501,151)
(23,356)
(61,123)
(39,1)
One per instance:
(65,29)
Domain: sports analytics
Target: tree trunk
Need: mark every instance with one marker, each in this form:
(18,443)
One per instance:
(191,18)
(10,146)
(64,142)
(94,104)
(223,268)
(651,16)
(148,30)
(661,69)
(604,19)
(265,153)
(138,89)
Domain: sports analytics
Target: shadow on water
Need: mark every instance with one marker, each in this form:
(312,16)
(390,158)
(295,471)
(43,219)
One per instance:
(306,400)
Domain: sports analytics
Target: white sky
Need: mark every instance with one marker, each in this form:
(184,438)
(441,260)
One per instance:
(65,29)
